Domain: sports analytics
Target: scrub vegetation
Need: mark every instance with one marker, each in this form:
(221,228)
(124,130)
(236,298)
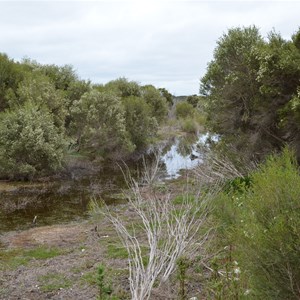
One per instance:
(48,114)
(228,229)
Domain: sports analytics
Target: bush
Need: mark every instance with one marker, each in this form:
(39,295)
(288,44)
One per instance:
(157,103)
(30,144)
(271,231)
(139,123)
(189,125)
(123,88)
(98,124)
(184,110)
(193,100)
(260,222)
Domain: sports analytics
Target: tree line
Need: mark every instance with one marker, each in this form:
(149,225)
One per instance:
(48,112)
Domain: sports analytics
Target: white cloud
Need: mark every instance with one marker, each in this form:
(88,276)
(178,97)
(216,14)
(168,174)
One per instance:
(166,43)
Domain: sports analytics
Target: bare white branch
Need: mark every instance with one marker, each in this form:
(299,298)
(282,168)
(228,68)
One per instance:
(167,230)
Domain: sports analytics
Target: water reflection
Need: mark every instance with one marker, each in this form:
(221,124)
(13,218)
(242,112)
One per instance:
(66,201)
(183,154)
(55,202)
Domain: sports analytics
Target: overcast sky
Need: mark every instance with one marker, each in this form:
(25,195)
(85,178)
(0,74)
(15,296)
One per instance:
(164,43)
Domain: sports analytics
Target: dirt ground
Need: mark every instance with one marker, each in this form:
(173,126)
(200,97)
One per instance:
(82,248)
(71,272)
(81,253)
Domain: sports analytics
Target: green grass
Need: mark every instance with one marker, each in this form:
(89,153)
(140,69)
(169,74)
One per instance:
(89,277)
(18,257)
(53,281)
(116,251)
(43,253)
(183,199)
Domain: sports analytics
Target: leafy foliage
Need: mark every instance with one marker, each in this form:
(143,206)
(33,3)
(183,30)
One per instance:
(168,96)
(99,121)
(139,123)
(258,223)
(30,143)
(184,109)
(251,91)
(99,124)
(37,89)
(104,289)
(124,88)
(193,100)
(156,101)
(11,74)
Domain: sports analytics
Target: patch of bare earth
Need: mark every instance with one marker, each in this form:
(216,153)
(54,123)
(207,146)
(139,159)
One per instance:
(81,253)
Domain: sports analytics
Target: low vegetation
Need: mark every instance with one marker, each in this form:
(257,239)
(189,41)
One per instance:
(256,239)
(245,244)
(14,258)
(53,282)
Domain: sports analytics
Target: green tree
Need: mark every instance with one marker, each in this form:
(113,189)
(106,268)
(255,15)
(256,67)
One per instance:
(184,109)
(139,122)
(230,82)
(37,89)
(99,124)
(168,96)
(279,79)
(193,100)
(61,76)
(248,87)
(156,101)
(30,143)
(11,74)
(123,88)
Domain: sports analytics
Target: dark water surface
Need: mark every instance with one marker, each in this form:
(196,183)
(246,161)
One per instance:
(67,200)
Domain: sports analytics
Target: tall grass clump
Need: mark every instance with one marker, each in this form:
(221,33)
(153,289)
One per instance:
(259,230)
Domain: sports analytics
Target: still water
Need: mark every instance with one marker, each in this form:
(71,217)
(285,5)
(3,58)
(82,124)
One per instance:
(67,200)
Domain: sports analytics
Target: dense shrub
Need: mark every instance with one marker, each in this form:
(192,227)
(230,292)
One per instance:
(252,90)
(259,221)
(139,123)
(99,124)
(157,103)
(30,143)
(189,125)
(184,109)
(97,120)
(123,87)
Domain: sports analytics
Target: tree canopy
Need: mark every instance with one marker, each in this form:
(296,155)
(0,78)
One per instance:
(252,91)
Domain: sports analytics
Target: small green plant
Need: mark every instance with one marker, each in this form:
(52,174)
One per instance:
(182,265)
(225,281)
(105,289)
(184,199)
(89,278)
(43,253)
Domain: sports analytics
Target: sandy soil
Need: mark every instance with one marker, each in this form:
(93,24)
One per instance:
(83,252)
